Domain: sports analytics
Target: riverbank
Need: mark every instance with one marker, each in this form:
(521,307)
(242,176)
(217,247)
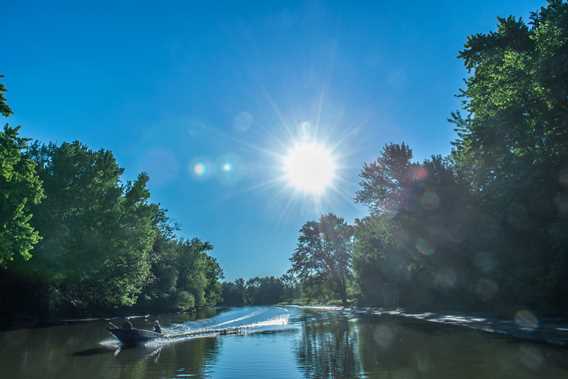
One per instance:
(26,322)
(523,326)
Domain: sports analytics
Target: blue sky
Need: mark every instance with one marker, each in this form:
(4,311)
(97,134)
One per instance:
(167,85)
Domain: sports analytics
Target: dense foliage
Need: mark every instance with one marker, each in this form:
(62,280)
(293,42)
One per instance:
(258,291)
(322,258)
(183,275)
(484,228)
(20,189)
(94,244)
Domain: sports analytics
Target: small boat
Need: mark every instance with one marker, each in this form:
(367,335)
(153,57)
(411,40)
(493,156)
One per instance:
(133,336)
(130,336)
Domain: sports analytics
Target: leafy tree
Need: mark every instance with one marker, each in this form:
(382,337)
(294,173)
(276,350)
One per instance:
(20,189)
(513,148)
(4,108)
(97,232)
(257,291)
(104,246)
(199,273)
(234,293)
(483,228)
(183,275)
(417,237)
(323,254)
(265,290)
(185,300)
(383,181)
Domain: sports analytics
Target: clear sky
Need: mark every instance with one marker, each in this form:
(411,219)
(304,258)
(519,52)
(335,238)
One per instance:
(207,96)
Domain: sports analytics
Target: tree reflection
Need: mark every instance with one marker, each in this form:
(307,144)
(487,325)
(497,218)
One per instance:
(327,347)
(336,346)
(76,352)
(191,357)
(407,349)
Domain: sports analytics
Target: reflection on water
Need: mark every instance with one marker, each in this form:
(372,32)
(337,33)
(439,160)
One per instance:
(282,342)
(327,347)
(335,345)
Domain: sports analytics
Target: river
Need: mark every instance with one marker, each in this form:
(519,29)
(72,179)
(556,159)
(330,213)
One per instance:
(280,342)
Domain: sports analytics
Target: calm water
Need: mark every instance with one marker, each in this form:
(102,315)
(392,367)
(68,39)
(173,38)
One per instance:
(282,342)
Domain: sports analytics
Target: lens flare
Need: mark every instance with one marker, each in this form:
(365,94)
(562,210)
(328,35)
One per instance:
(227,167)
(199,169)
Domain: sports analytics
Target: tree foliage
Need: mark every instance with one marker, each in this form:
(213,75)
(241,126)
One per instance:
(97,233)
(485,227)
(323,254)
(4,107)
(513,148)
(98,243)
(183,275)
(20,189)
(258,291)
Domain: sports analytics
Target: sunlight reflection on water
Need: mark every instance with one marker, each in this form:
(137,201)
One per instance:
(287,342)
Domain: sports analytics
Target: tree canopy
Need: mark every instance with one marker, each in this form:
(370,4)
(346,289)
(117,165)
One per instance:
(485,227)
(20,189)
(323,254)
(73,231)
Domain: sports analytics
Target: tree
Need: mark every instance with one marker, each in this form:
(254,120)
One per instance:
(264,290)
(183,275)
(97,232)
(258,291)
(513,148)
(485,227)
(323,254)
(234,293)
(413,244)
(4,108)
(20,189)
(384,180)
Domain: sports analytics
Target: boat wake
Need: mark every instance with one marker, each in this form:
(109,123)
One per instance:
(237,321)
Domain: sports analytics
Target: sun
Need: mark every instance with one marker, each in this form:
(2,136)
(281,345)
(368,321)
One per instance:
(309,167)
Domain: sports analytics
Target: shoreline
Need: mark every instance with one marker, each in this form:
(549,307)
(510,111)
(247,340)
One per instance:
(31,323)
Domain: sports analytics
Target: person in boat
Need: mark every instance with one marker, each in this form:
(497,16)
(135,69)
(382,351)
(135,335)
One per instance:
(157,327)
(127,325)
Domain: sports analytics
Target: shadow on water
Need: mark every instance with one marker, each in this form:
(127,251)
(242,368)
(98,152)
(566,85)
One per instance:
(88,351)
(313,344)
(92,351)
(327,346)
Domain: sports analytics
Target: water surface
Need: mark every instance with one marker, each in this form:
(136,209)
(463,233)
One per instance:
(280,342)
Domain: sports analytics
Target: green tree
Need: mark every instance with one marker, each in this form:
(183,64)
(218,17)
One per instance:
(4,108)
(183,275)
(234,293)
(20,189)
(383,181)
(264,290)
(412,247)
(483,228)
(97,232)
(513,148)
(323,254)
(199,273)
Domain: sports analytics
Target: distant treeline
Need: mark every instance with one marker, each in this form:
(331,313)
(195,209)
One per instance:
(484,228)
(258,291)
(75,239)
